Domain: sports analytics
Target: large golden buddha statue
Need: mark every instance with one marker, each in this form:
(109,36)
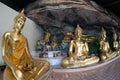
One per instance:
(16,54)
(78,53)
(105,51)
(116,44)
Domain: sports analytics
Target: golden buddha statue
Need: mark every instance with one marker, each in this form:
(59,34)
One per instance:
(116,44)
(16,54)
(105,51)
(47,36)
(54,43)
(78,53)
(67,36)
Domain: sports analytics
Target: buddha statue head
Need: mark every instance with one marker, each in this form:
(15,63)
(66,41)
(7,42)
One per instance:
(78,32)
(19,20)
(103,34)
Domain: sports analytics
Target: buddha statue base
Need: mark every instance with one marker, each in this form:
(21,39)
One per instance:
(108,56)
(80,62)
(118,52)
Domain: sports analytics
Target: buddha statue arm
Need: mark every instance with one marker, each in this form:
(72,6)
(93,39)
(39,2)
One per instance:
(28,51)
(108,47)
(47,36)
(5,50)
(115,45)
(85,49)
(16,72)
(71,49)
(30,61)
(101,45)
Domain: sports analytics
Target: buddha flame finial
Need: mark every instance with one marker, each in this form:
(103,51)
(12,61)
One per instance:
(20,15)
(78,29)
(103,31)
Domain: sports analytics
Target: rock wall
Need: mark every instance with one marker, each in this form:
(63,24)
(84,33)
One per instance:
(59,15)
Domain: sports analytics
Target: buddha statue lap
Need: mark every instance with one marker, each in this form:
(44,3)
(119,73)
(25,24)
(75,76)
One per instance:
(16,54)
(105,51)
(78,53)
(119,44)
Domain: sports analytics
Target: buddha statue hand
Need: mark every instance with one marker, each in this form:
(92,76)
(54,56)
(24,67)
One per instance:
(29,66)
(108,55)
(119,52)
(71,60)
(74,59)
(82,57)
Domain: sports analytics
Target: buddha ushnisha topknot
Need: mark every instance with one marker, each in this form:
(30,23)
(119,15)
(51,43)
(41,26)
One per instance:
(20,15)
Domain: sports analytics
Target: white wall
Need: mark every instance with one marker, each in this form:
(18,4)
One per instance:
(30,30)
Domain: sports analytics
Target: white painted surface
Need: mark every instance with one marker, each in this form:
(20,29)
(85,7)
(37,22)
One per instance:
(30,30)
(52,60)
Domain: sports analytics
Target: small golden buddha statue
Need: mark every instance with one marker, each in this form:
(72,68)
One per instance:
(67,36)
(105,51)
(16,54)
(54,43)
(78,52)
(47,37)
(116,44)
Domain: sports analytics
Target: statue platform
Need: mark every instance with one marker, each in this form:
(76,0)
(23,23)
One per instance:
(51,59)
(54,61)
(108,70)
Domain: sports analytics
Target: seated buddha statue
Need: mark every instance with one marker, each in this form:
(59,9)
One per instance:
(16,54)
(105,51)
(116,44)
(78,52)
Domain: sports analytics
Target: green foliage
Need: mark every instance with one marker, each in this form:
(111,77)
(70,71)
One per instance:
(111,40)
(94,47)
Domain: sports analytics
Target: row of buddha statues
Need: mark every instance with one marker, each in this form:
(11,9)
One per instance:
(21,65)
(44,42)
(79,51)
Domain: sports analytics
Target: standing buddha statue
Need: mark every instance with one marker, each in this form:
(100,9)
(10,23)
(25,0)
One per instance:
(78,52)
(105,51)
(47,37)
(16,54)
